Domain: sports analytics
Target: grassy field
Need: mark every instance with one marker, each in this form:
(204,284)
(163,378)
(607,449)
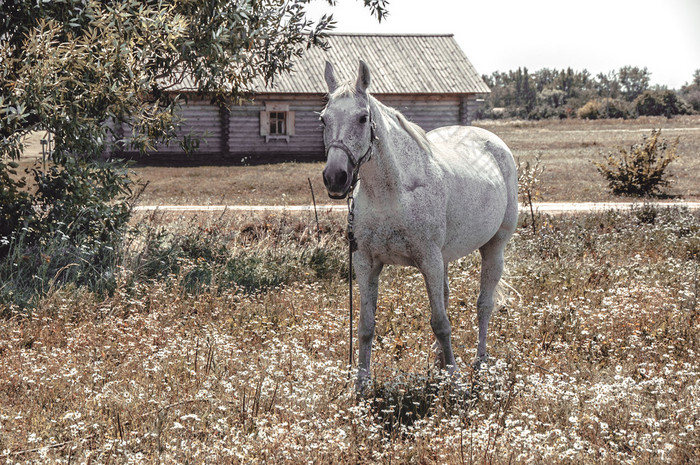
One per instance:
(226,342)
(225,339)
(565,147)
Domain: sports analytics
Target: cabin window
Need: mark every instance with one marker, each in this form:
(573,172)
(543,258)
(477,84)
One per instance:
(276,122)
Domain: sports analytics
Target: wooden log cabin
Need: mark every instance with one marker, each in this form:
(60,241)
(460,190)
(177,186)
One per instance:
(426,77)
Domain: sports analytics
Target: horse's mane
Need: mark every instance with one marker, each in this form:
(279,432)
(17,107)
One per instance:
(412,129)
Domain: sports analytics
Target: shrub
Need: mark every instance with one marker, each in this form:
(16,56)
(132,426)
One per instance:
(605,108)
(691,92)
(547,112)
(260,271)
(68,228)
(254,257)
(530,185)
(591,110)
(616,108)
(641,171)
(660,103)
(693,99)
(15,204)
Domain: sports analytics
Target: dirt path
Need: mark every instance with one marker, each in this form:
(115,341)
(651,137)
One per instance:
(542,207)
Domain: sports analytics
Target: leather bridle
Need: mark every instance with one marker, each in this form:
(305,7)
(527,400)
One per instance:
(356,163)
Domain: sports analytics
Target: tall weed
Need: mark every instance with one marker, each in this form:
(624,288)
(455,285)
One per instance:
(251,257)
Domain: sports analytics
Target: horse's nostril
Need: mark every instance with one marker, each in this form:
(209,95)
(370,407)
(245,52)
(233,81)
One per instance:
(342,178)
(325,180)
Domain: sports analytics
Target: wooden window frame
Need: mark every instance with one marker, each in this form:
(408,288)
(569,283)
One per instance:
(278,123)
(272,113)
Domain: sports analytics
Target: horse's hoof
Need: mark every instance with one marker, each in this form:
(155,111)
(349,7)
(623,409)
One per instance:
(439,356)
(454,376)
(453,372)
(480,361)
(362,385)
(439,363)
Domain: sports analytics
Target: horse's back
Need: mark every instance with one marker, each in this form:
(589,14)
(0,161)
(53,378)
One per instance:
(479,157)
(473,141)
(470,143)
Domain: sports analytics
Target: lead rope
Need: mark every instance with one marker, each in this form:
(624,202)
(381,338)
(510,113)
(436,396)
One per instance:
(352,242)
(352,246)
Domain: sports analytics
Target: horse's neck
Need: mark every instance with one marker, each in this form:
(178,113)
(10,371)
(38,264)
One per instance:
(397,156)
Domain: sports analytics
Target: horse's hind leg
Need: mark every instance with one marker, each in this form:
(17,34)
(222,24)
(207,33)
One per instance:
(434,271)
(491,271)
(446,288)
(437,348)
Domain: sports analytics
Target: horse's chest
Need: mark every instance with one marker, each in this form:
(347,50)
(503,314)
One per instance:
(391,237)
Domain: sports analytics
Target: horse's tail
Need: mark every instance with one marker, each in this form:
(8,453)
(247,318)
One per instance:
(505,292)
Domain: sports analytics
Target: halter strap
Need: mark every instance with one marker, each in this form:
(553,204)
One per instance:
(355,162)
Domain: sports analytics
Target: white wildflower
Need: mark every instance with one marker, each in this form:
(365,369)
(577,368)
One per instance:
(72,416)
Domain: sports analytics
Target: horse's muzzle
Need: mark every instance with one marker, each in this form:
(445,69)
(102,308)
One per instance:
(337,196)
(337,182)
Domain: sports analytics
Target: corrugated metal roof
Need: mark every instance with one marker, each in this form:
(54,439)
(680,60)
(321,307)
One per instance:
(399,64)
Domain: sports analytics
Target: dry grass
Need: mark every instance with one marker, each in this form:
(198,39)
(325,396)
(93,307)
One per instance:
(566,147)
(275,184)
(226,338)
(593,360)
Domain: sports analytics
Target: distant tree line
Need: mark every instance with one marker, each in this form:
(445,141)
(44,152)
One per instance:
(551,93)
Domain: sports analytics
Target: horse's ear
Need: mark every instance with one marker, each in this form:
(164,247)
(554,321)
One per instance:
(330,78)
(363,77)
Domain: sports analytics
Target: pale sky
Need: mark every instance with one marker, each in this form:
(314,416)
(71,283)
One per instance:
(502,35)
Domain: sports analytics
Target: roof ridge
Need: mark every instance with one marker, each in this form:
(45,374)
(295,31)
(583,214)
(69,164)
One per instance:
(390,34)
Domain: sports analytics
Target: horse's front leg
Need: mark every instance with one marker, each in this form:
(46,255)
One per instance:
(434,271)
(367,271)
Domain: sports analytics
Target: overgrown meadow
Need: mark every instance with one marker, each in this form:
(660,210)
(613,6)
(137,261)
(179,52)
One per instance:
(225,341)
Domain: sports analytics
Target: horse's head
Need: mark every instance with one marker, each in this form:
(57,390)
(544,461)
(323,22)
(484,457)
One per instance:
(348,131)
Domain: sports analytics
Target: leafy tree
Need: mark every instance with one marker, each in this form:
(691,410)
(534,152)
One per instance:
(77,67)
(608,85)
(633,81)
(564,93)
(545,78)
(553,98)
(574,83)
(691,92)
(659,103)
(526,93)
(67,66)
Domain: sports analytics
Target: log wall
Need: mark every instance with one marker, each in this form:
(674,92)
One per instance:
(234,135)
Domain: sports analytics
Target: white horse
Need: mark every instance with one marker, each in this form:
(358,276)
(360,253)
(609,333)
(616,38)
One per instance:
(423,200)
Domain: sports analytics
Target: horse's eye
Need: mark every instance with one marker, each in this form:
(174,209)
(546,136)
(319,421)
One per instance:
(363,119)
(323,121)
